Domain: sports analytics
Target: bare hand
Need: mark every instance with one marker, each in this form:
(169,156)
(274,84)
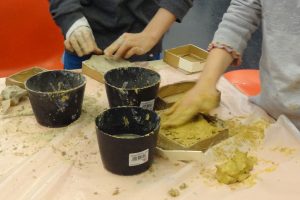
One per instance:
(82,42)
(194,101)
(130,44)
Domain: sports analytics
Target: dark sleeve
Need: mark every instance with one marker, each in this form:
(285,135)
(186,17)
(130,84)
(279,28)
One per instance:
(178,7)
(65,13)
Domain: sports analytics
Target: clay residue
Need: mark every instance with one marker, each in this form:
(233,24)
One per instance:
(183,186)
(285,150)
(233,165)
(173,192)
(11,96)
(21,136)
(74,147)
(125,121)
(198,129)
(116,191)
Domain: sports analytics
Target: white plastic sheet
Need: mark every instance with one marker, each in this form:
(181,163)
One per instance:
(63,164)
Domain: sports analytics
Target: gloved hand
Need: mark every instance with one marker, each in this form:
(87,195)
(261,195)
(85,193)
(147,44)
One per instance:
(130,44)
(82,42)
(198,99)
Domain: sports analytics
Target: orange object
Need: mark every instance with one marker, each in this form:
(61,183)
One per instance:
(28,37)
(246,80)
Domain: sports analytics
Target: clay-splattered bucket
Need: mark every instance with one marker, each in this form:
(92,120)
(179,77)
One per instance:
(127,138)
(56,97)
(132,86)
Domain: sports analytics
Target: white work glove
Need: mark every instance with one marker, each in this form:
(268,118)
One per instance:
(80,39)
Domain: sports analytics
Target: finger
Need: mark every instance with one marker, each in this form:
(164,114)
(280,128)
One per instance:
(109,51)
(134,51)
(88,42)
(76,46)
(68,46)
(178,119)
(172,109)
(171,123)
(126,46)
(96,50)
(82,42)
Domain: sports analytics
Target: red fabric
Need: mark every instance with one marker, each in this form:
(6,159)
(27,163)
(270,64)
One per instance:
(28,37)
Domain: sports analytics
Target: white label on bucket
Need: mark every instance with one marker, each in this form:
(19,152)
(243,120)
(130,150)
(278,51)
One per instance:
(138,158)
(148,104)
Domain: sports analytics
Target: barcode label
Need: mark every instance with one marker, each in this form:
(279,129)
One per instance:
(138,158)
(148,104)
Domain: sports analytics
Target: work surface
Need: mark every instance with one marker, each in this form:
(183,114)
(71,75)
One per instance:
(64,163)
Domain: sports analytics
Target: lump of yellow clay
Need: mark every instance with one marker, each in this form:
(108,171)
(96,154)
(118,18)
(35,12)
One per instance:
(236,169)
(174,192)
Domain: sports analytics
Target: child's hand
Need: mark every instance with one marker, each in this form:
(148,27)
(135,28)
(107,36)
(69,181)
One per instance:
(198,99)
(82,42)
(130,44)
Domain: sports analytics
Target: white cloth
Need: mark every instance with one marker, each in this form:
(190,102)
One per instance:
(80,22)
(280,60)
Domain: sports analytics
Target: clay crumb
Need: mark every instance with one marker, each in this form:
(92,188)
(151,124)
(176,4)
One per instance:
(125,121)
(174,192)
(151,169)
(116,191)
(63,153)
(183,186)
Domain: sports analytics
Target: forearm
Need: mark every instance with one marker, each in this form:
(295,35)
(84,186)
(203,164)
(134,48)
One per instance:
(159,24)
(238,23)
(216,64)
(65,13)
(178,8)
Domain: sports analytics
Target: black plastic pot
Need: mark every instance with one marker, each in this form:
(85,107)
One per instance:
(127,138)
(132,86)
(56,97)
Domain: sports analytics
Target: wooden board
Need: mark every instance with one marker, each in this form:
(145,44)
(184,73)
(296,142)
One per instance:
(97,66)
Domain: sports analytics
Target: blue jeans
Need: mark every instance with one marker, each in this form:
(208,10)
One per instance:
(72,61)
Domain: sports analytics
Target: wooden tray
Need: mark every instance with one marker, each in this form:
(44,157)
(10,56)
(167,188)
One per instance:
(21,77)
(169,94)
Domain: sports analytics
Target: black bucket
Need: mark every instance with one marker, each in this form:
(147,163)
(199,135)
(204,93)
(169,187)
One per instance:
(132,86)
(56,97)
(127,138)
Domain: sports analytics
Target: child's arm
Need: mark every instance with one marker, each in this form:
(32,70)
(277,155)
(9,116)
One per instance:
(239,22)
(241,19)
(130,44)
(204,96)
